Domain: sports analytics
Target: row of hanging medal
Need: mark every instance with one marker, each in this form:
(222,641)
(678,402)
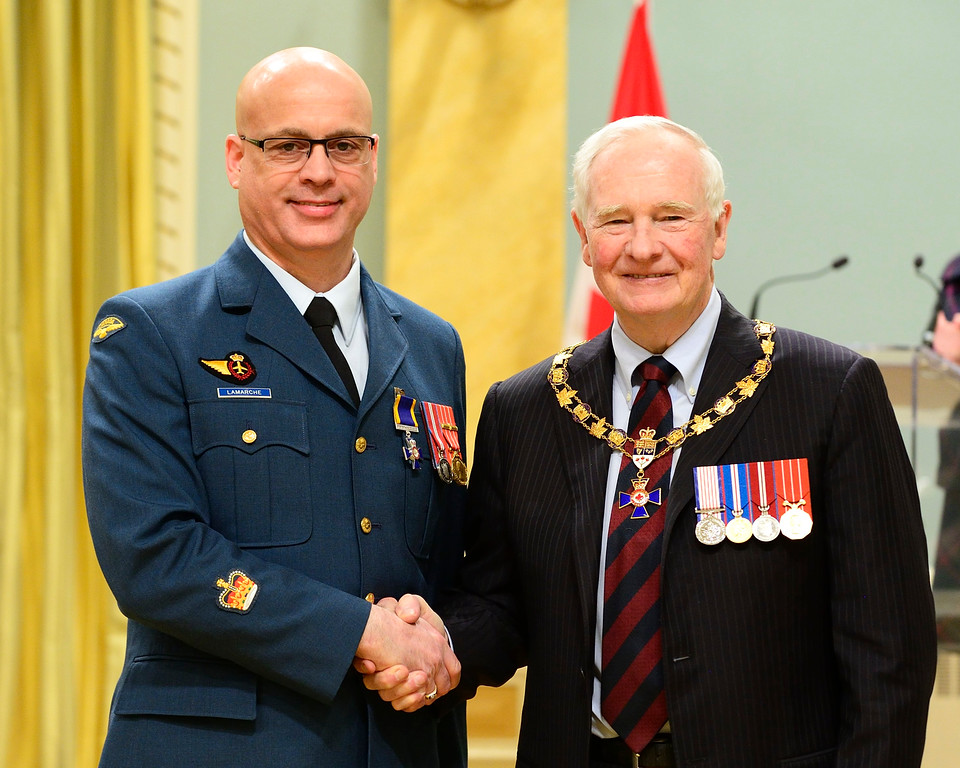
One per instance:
(760,500)
(442,432)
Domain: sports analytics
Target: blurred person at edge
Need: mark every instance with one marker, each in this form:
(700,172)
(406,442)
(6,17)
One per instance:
(945,341)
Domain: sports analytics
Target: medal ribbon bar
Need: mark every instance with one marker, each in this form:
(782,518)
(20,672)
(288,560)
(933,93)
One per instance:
(403,414)
(707,489)
(432,419)
(796,515)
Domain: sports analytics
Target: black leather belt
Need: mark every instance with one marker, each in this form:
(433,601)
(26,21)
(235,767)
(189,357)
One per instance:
(657,754)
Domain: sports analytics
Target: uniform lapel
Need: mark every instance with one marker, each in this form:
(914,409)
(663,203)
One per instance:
(734,350)
(245,284)
(388,346)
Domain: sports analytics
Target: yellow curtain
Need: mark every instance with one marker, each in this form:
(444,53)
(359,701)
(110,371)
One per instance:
(76,225)
(476,201)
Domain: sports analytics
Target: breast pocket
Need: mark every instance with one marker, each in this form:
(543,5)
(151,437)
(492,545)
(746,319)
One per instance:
(254,458)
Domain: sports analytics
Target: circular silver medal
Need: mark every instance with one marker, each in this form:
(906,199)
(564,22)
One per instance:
(739,529)
(710,529)
(445,471)
(795,524)
(766,527)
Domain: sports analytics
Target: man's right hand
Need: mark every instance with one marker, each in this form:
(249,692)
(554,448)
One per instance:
(404,654)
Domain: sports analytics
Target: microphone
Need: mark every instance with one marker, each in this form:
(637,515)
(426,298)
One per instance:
(837,263)
(918,269)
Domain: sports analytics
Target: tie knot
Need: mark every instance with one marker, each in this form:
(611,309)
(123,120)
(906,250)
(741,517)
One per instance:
(654,368)
(321,313)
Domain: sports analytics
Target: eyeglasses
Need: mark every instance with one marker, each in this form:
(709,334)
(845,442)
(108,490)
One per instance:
(294,153)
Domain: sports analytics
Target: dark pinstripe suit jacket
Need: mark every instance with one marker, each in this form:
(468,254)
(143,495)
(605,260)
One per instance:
(817,652)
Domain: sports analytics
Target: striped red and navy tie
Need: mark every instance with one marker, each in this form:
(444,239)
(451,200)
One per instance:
(631,680)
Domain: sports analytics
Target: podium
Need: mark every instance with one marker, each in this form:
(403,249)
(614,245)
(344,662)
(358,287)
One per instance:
(925,391)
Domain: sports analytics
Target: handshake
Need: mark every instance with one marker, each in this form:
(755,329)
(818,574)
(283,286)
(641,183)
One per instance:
(404,654)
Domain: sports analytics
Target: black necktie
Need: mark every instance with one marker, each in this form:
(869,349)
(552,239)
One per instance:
(322,316)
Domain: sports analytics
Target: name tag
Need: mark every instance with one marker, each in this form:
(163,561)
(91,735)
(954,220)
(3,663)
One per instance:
(243,392)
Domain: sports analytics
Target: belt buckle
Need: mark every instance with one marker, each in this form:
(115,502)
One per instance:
(657,752)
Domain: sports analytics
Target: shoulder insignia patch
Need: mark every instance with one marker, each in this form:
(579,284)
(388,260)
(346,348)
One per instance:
(107,327)
(237,367)
(239,592)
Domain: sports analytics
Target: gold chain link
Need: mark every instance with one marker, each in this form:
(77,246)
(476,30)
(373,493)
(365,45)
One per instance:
(617,439)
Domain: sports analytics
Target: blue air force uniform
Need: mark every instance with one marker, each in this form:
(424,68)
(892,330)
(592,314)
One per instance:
(243,508)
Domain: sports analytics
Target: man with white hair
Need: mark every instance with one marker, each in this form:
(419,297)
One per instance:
(700,532)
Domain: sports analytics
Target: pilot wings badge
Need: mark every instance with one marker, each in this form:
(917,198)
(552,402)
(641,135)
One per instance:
(237,367)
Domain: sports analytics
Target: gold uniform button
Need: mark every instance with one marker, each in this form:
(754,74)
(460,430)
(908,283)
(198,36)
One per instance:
(369,598)
(365,525)
(248,436)
(361,444)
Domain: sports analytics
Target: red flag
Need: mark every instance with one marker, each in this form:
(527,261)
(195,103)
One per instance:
(638,93)
(638,90)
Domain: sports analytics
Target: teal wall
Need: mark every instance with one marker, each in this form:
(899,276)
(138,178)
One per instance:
(235,35)
(836,123)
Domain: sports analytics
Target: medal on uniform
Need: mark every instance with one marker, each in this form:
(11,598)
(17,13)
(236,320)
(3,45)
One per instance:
(441,464)
(406,422)
(766,527)
(739,528)
(445,471)
(793,483)
(445,443)
(459,467)
(639,497)
(451,439)
(710,528)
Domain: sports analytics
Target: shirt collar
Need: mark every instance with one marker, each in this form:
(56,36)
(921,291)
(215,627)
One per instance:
(688,354)
(345,295)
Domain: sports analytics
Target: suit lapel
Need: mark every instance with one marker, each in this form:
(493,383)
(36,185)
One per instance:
(585,460)
(734,350)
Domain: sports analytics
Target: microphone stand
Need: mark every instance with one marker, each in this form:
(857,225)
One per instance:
(918,268)
(836,264)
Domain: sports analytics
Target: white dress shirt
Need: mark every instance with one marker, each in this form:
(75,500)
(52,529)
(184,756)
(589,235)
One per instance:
(688,354)
(350,332)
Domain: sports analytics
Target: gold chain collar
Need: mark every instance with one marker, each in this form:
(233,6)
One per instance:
(644,449)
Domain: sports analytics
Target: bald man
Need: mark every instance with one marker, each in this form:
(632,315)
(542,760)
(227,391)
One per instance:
(272,445)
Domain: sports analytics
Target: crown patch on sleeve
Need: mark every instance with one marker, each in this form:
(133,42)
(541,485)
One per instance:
(239,592)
